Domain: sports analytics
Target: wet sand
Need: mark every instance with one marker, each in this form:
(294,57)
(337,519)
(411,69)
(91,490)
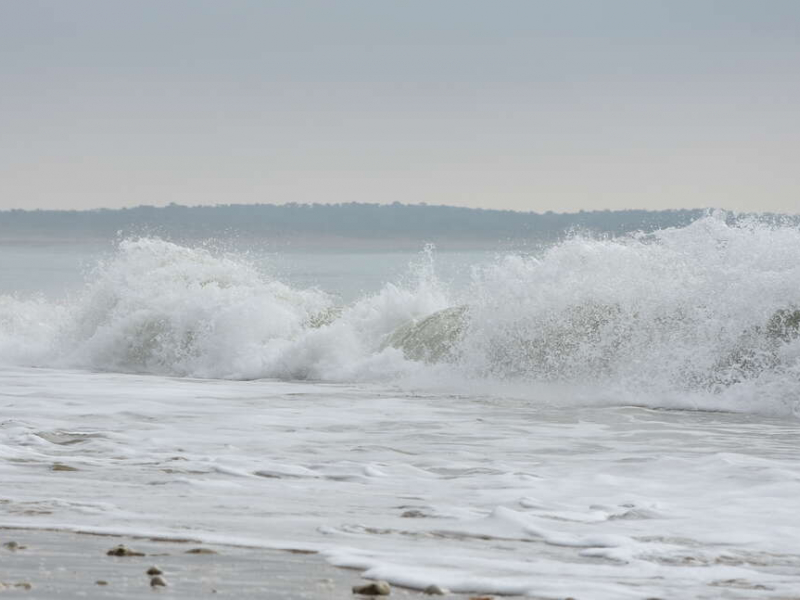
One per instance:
(57,565)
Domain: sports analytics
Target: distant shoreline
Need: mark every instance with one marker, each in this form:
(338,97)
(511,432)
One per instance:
(353,224)
(353,220)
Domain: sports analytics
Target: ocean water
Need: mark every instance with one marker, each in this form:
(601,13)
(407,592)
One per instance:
(598,419)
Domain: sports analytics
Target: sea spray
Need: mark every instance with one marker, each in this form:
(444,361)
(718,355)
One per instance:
(678,300)
(158,307)
(706,309)
(28,328)
(701,316)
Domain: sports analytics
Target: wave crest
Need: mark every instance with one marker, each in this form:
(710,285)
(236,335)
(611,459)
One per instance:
(709,313)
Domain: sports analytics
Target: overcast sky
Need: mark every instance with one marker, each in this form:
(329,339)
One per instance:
(531,105)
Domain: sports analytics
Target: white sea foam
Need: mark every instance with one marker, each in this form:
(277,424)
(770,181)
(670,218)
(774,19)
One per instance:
(696,317)
(703,315)
(472,493)
(156,307)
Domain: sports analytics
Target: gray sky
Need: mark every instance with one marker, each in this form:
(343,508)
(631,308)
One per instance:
(531,105)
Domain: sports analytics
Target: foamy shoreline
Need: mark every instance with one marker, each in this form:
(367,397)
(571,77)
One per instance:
(58,564)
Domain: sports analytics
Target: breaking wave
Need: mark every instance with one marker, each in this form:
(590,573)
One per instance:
(706,316)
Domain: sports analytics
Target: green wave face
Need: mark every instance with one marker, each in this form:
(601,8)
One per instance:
(433,339)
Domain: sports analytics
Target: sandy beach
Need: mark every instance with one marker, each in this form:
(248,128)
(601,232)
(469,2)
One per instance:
(46,564)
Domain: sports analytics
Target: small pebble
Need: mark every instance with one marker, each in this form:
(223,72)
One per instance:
(435,590)
(60,467)
(157,581)
(154,570)
(376,588)
(23,585)
(201,551)
(123,550)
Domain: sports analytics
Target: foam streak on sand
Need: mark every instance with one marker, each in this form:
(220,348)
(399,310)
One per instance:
(469,493)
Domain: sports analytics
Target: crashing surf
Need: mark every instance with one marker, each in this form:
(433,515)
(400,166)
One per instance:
(705,311)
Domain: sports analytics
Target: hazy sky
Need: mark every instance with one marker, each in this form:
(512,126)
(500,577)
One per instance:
(532,105)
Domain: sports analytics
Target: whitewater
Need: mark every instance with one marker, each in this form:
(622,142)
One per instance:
(600,418)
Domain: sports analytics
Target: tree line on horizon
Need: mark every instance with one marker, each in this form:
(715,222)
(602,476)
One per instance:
(347,220)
